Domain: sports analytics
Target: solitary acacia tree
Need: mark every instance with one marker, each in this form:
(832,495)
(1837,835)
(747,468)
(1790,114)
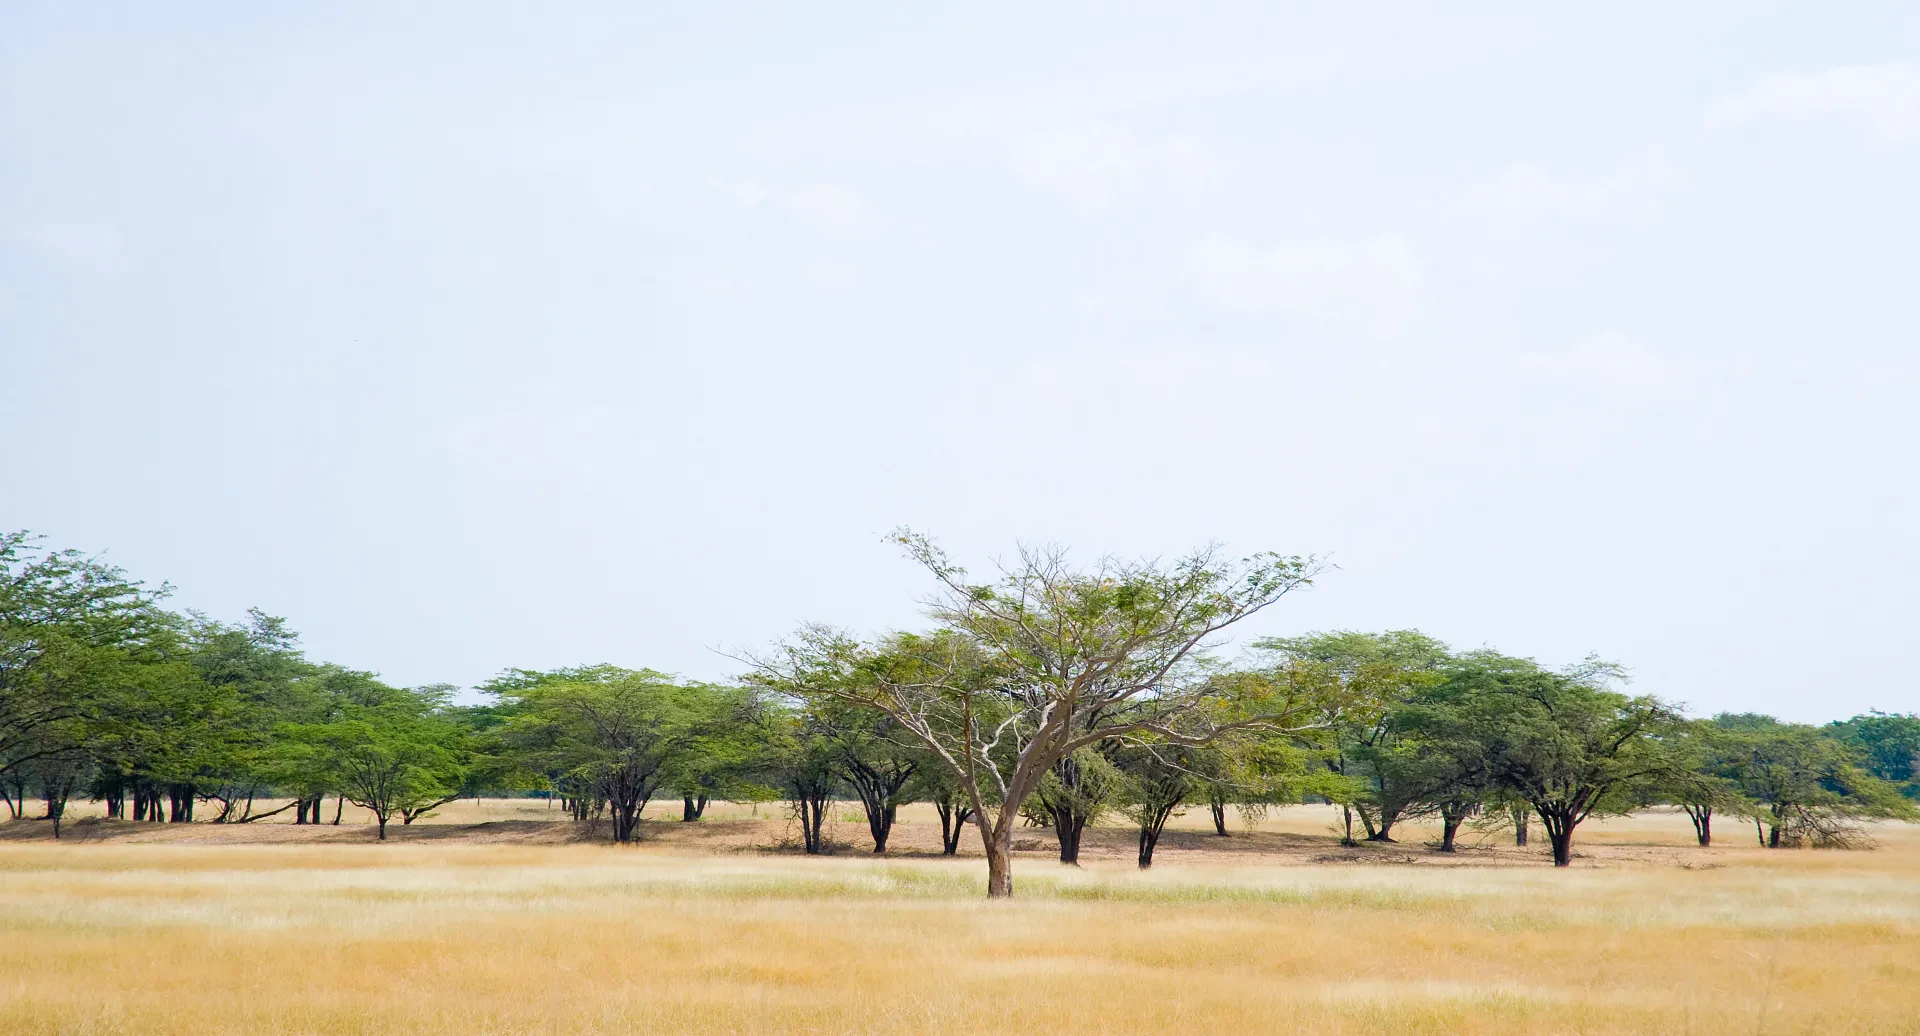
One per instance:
(1045,660)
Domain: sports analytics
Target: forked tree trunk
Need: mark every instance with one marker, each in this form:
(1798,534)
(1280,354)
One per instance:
(813,814)
(1562,847)
(1702,817)
(691,808)
(1383,830)
(1151,824)
(1560,823)
(1218,807)
(953,823)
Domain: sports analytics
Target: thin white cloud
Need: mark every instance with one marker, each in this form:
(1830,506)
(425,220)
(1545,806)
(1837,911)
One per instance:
(1618,367)
(1882,102)
(1095,167)
(85,246)
(827,209)
(938,126)
(1529,195)
(1372,283)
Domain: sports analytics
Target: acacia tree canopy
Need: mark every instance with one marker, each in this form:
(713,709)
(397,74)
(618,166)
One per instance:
(1046,659)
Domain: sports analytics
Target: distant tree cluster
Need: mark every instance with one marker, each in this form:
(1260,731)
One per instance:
(1047,696)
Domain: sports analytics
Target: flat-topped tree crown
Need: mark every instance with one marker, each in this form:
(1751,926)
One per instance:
(1046,659)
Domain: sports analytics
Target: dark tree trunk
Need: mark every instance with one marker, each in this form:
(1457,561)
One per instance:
(1346,816)
(626,819)
(300,814)
(339,807)
(381,819)
(1218,807)
(1380,829)
(1702,817)
(180,798)
(1151,824)
(1560,822)
(1562,847)
(881,826)
(1449,827)
(878,788)
(813,813)
(1068,827)
(1521,815)
(690,810)
(953,821)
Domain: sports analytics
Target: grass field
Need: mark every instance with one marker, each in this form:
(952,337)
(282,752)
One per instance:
(489,920)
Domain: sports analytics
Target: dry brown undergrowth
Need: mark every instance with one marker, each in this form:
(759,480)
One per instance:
(473,923)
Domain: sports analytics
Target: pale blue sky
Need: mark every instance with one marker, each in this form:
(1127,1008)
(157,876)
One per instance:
(470,335)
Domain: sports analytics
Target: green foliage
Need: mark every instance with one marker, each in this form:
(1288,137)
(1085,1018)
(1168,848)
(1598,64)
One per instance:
(1889,745)
(616,736)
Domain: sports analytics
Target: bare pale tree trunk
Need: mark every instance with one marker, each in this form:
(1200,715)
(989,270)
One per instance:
(1000,865)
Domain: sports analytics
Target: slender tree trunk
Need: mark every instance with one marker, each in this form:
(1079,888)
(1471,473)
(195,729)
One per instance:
(380,817)
(1151,824)
(339,807)
(1759,832)
(1217,806)
(1346,815)
(1521,815)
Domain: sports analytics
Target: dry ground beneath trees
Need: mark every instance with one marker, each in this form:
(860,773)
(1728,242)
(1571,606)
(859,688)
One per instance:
(491,918)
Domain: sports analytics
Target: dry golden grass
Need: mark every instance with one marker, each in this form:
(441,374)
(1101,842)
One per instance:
(444,935)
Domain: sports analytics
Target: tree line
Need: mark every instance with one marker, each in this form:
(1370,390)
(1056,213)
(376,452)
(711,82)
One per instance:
(1045,696)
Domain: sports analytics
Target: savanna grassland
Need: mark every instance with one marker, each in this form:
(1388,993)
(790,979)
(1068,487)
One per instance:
(490,919)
